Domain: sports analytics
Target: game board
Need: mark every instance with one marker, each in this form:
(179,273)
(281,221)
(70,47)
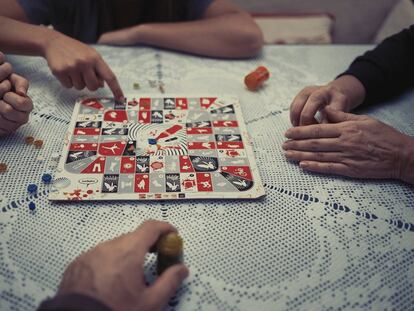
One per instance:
(151,148)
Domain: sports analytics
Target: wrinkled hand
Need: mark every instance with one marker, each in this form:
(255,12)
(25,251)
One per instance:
(313,99)
(342,94)
(112,272)
(117,37)
(15,106)
(75,64)
(354,146)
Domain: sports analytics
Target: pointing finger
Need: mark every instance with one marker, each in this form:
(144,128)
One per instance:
(109,77)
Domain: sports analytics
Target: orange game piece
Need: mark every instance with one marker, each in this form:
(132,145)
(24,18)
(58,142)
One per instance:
(3,167)
(29,140)
(38,143)
(256,78)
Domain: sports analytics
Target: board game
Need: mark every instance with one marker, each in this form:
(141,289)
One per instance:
(150,148)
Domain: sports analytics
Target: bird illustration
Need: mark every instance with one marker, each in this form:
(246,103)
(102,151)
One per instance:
(207,165)
(142,167)
(110,187)
(84,124)
(173,186)
(75,155)
(241,183)
(109,131)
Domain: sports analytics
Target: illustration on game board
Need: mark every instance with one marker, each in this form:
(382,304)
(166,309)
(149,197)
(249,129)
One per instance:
(157,148)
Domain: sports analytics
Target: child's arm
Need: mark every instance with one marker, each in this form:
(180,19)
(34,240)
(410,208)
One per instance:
(223,31)
(75,64)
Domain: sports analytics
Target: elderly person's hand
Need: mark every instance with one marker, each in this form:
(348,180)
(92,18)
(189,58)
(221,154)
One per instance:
(15,105)
(112,272)
(354,146)
(342,94)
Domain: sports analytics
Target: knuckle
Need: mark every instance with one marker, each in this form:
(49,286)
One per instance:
(314,144)
(318,95)
(8,68)
(8,109)
(317,131)
(320,155)
(57,71)
(5,87)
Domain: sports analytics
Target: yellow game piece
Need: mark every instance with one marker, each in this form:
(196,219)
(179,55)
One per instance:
(38,143)
(169,251)
(29,140)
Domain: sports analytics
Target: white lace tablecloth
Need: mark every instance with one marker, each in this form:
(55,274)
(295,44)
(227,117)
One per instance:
(314,243)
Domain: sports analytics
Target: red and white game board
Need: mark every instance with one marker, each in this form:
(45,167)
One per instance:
(157,148)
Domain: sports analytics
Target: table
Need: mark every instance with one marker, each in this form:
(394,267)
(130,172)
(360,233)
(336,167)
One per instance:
(315,242)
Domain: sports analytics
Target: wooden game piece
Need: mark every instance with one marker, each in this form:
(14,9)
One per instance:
(38,143)
(256,78)
(3,167)
(169,251)
(29,140)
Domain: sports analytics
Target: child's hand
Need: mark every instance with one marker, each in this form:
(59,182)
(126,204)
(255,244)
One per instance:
(15,106)
(77,65)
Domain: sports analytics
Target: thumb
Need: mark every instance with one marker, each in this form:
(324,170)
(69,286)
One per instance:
(166,285)
(336,116)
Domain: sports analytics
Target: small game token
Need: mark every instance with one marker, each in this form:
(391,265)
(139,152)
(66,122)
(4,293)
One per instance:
(169,251)
(136,86)
(161,88)
(55,156)
(46,178)
(256,78)
(3,167)
(152,141)
(29,140)
(38,143)
(32,206)
(32,188)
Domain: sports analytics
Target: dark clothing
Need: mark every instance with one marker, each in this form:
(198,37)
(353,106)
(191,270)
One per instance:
(87,20)
(73,302)
(387,70)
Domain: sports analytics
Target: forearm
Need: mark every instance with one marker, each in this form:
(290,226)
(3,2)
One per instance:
(386,70)
(21,38)
(222,36)
(352,88)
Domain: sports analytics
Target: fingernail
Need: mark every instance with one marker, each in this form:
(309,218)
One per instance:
(287,153)
(285,145)
(304,164)
(287,133)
